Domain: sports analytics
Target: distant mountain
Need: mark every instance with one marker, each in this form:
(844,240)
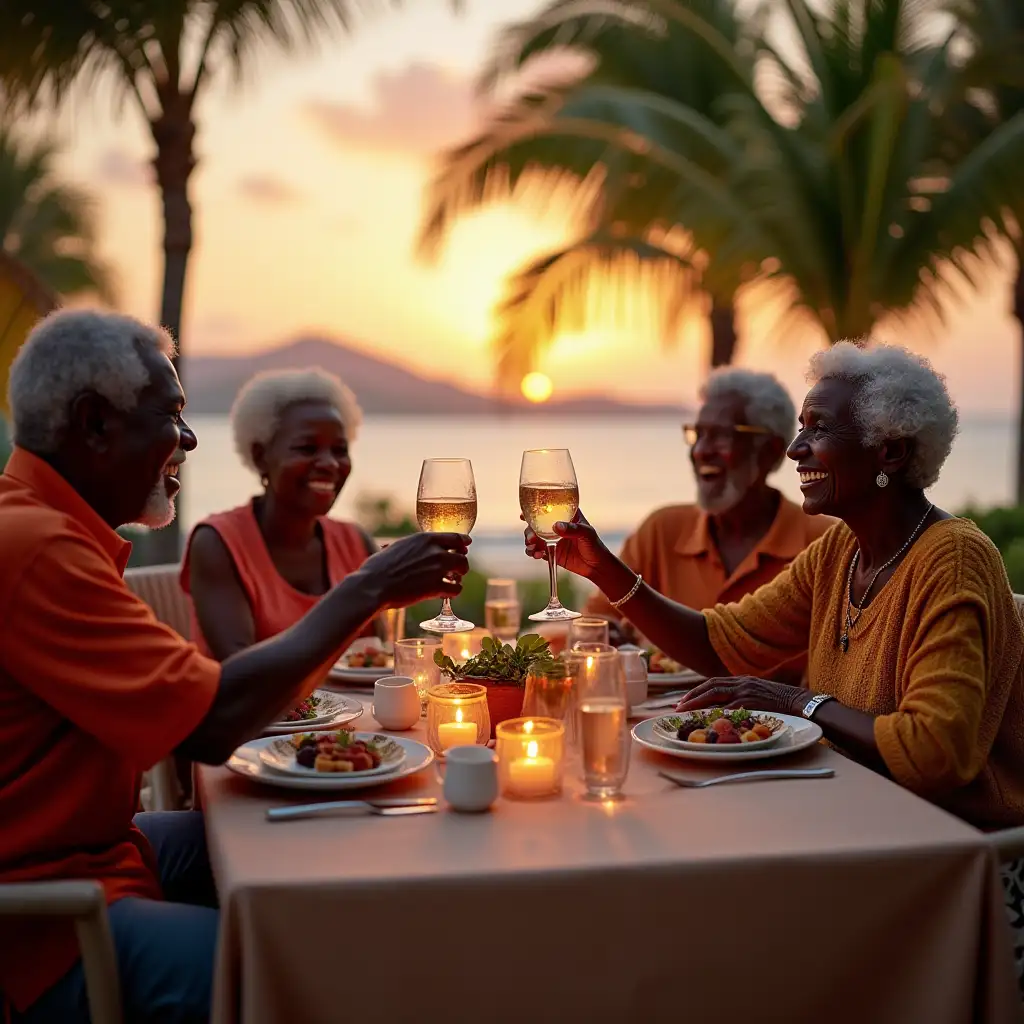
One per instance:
(382,387)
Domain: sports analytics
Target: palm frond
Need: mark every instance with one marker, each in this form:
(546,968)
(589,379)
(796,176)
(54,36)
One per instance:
(557,293)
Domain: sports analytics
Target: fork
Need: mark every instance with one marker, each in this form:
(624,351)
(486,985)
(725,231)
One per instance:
(384,808)
(773,773)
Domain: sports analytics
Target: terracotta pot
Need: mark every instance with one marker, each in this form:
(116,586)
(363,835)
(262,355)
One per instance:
(504,700)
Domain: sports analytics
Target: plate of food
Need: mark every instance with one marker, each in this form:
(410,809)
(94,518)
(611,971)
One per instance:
(663,671)
(798,735)
(340,752)
(718,728)
(246,762)
(321,707)
(364,662)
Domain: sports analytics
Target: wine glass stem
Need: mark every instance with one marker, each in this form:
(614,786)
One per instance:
(553,570)
(446,609)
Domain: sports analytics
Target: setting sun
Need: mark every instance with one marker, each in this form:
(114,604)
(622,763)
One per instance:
(536,387)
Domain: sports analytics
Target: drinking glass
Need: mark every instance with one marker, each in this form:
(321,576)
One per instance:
(588,629)
(446,503)
(602,710)
(502,610)
(414,657)
(548,493)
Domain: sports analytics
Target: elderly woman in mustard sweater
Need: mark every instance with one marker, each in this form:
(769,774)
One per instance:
(915,645)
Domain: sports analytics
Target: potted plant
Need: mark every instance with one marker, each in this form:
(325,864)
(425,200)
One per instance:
(503,669)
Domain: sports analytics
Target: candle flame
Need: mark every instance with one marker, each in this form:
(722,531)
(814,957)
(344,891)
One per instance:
(465,654)
(458,714)
(531,748)
(590,662)
(528,726)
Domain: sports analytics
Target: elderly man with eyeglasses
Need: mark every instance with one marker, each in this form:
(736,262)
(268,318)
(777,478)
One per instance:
(741,532)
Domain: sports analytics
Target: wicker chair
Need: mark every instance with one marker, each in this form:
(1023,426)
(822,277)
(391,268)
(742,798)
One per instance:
(86,903)
(158,586)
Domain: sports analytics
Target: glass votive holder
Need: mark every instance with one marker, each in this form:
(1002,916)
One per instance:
(551,694)
(587,629)
(461,647)
(457,716)
(414,657)
(531,757)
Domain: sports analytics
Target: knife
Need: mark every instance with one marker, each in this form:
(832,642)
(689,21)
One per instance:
(336,806)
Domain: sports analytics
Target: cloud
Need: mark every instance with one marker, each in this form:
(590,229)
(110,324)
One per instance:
(116,167)
(417,110)
(265,189)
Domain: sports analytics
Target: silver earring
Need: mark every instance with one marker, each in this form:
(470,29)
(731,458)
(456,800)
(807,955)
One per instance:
(882,480)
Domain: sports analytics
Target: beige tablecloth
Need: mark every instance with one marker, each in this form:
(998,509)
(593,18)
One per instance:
(822,901)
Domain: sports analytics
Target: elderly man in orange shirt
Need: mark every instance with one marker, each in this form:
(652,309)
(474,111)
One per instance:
(93,690)
(741,533)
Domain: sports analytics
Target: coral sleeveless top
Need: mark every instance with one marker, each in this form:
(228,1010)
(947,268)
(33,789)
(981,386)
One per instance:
(275,603)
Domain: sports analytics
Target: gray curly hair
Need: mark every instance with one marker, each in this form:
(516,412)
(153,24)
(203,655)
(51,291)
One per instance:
(70,352)
(766,402)
(257,411)
(899,395)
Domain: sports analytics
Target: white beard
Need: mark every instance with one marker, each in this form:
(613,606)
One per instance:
(159,508)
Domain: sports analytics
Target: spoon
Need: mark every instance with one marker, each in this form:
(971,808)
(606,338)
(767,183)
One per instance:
(773,773)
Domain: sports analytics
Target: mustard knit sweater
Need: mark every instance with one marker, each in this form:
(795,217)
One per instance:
(937,656)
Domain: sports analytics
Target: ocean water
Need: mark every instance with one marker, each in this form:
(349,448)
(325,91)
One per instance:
(626,467)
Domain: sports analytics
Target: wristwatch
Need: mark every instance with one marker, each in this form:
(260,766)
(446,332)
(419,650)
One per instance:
(812,705)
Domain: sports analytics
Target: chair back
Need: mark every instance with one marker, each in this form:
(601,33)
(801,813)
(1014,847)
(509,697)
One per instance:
(158,586)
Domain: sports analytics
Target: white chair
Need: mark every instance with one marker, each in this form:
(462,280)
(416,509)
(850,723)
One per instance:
(158,586)
(86,903)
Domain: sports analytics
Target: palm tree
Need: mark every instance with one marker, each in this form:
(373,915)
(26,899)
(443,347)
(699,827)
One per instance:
(818,193)
(47,225)
(622,198)
(994,30)
(161,57)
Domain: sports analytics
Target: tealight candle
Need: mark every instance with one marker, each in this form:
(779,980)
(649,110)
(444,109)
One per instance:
(532,775)
(457,716)
(457,733)
(530,756)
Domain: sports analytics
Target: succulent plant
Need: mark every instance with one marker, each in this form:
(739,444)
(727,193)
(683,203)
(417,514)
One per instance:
(503,663)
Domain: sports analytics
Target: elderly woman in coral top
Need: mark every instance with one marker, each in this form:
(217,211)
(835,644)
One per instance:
(915,645)
(255,570)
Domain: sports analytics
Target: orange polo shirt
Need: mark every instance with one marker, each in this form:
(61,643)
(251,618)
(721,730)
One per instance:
(93,691)
(675,553)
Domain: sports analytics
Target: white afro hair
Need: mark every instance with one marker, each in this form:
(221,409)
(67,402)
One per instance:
(898,395)
(256,414)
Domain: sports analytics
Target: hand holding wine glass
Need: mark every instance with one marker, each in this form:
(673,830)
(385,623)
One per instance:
(446,503)
(580,550)
(549,493)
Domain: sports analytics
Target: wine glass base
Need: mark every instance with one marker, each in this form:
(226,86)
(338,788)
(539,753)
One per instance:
(555,615)
(602,795)
(447,625)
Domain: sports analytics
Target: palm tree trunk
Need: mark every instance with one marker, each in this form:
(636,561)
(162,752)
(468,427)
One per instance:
(1018,312)
(723,333)
(174,134)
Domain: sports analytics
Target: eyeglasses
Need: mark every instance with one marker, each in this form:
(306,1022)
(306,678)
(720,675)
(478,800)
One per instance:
(719,437)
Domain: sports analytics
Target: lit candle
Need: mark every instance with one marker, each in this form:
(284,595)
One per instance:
(532,775)
(457,733)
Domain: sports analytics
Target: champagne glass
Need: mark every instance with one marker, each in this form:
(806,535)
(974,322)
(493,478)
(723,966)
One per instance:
(446,503)
(502,610)
(548,493)
(602,711)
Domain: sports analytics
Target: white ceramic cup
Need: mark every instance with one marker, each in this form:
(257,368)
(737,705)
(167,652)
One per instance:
(470,778)
(396,704)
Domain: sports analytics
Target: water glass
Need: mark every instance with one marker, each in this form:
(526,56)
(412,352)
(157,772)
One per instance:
(394,626)
(589,629)
(502,610)
(414,657)
(602,713)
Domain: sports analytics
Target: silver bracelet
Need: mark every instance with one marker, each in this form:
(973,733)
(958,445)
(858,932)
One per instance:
(814,703)
(632,592)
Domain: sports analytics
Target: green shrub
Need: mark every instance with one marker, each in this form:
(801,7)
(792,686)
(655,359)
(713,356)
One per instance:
(1005,528)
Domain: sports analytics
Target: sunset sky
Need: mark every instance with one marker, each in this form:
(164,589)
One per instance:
(307,201)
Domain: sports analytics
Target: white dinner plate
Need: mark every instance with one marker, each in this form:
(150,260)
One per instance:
(279,755)
(333,708)
(672,680)
(800,735)
(245,761)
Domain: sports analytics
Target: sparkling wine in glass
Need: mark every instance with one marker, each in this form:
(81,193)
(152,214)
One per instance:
(548,494)
(446,503)
(502,610)
(603,711)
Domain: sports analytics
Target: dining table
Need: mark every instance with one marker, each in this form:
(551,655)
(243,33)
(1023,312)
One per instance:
(827,901)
